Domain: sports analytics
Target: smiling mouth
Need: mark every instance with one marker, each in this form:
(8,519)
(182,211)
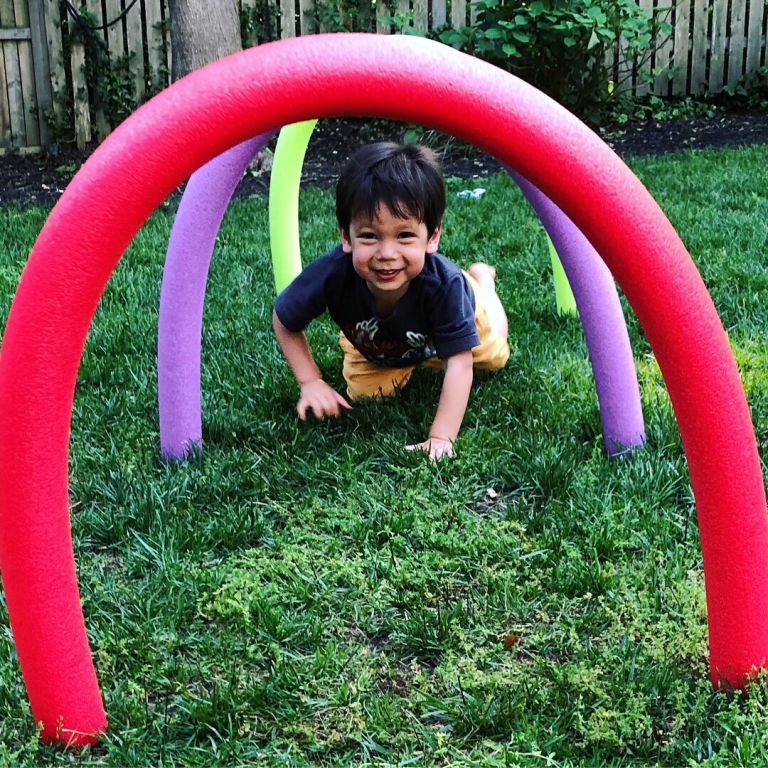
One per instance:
(387,274)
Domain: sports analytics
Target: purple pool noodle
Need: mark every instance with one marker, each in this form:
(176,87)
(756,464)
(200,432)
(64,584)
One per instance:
(182,295)
(605,329)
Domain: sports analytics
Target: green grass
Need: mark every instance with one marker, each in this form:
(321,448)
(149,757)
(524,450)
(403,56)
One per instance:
(315,595)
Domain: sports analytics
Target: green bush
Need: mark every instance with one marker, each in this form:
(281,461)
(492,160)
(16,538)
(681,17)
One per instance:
(750,93)
(259,23)
(560,45)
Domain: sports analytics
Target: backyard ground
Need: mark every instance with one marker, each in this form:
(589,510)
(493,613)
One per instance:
(311,594)
(35,179)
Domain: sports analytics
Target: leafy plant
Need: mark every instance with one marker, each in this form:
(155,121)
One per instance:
(332,17)
(560,47)
(258,23)
(110,80)
(751,92)
(628,107)
(342,15)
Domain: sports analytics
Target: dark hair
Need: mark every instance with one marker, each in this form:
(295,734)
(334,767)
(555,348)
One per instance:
(407,179)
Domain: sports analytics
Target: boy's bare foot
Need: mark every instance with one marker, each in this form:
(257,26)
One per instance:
(482,271)
(485,276)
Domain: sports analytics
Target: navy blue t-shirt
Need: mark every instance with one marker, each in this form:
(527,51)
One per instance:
(436,316)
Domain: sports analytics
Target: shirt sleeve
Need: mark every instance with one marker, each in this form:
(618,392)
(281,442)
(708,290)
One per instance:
(306,297)
(453,318)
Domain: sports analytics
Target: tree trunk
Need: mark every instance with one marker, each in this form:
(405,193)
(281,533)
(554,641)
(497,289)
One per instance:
(202,31)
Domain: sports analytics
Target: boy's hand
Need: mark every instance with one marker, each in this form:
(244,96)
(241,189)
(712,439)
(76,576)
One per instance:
(323,399)
(437,447)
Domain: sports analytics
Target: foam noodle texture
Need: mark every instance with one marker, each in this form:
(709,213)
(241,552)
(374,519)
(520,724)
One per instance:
(605,329)
(564,301)
(284,201)
(182,295)
(241,96)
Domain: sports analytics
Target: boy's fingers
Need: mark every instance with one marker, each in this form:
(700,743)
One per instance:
(440,450)
(436,448)
(328,404)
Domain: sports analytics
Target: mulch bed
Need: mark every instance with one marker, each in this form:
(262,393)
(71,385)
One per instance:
(35,179)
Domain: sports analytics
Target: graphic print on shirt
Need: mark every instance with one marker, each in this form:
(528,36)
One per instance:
(414,348)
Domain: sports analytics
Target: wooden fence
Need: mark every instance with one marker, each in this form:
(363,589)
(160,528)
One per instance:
(42,64)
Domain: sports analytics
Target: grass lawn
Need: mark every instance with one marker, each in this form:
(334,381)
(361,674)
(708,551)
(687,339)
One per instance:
(312,594)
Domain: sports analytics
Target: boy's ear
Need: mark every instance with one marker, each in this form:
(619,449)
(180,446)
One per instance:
(434,241)
(345,241)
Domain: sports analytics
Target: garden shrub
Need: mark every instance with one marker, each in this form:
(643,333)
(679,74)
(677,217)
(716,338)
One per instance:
(560,46)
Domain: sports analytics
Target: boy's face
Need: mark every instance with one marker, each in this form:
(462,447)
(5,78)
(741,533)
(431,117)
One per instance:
(388,252)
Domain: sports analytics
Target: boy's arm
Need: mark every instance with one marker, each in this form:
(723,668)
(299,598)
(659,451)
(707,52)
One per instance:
(450,410)
(315,393)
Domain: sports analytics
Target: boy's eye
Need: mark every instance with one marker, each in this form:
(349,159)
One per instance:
(366,236)
(406,235)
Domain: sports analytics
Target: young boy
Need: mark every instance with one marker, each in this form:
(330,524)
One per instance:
(397,301)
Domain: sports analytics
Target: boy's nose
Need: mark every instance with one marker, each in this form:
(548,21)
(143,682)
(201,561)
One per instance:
(387,249)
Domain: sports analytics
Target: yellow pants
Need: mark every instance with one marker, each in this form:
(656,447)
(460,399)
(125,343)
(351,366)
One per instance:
(367,379)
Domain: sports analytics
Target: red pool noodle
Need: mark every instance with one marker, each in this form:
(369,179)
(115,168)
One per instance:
(397,77)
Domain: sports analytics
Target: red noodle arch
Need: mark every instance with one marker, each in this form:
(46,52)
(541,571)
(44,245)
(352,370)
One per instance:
(262,89)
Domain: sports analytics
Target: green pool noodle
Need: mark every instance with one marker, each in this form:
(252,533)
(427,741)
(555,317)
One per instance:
(284,201)
(566,304)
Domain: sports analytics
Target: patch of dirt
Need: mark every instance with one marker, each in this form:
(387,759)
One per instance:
(663,137)
(35,179)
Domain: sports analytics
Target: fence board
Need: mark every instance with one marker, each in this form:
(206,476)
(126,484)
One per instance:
(247,6)
(458,13)
(306,20)
(41,67)
(365,18)
(94,7)
(663,54)
(135,38)
(764,57)
(680,53)
(439,16)
(699,45)
(624,67)
(736,41)
(115,38)
(421,15)
(13,78)
(402,9)
(345,18)
(102,124)
(55,52)
(154,19)
(754,34)
(382,11)
(167,41)
(80,88)
(642,86)
(287,18)
(27,71)
(5,112)
(473,12)
(29,96)
(718,47)
(18,33)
